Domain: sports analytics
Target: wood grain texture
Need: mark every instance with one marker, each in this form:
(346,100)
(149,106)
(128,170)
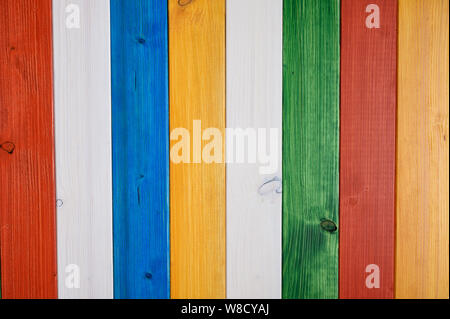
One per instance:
(254,81)
(197,190)
(422,205)
(310,148)
(367,148)
(140,138)
(27,183)
(82,72)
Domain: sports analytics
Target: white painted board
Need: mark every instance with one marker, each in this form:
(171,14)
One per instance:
(82,101)
(254,100)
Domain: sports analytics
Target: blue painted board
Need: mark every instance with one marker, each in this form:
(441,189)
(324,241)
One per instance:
(140,148)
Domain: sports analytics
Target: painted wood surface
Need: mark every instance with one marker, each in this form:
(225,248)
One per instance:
(254,80)
(82,73)
(197,189)
(27,183)
(310,148)
(422,205)
(140,145)
(367,148)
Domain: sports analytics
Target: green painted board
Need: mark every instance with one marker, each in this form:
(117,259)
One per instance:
(310,148)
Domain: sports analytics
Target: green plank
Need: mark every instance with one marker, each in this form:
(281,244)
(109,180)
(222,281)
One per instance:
(310,148)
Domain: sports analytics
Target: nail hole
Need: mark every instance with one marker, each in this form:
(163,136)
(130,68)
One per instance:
(148,275)
(59,203)
(141,40)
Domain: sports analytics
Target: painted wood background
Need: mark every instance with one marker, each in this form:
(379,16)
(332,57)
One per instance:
(197,190)
(140,145)
(422,206)
(27,183)
(82,93)
(254,81)
(367,147)
(94,196)
(310,148)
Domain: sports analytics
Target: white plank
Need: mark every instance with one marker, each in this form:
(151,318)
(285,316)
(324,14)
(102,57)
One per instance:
(83,148)
(254,84)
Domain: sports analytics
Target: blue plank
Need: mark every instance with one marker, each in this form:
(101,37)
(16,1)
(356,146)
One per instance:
(140,147)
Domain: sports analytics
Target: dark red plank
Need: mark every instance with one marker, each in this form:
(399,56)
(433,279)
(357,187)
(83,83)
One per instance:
(27,182)
(367,161)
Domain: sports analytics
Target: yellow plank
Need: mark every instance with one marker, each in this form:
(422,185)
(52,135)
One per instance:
(422,257)
(197,190)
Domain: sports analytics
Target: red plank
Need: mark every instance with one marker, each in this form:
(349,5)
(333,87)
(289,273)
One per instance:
(367,162)
(27,182)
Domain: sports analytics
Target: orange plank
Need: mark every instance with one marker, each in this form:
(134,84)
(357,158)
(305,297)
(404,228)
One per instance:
(197,190)
(27,181)
(422,206)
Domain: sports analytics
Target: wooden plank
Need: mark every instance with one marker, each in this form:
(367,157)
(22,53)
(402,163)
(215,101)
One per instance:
(197,190)
(140,138)
(310,148)
(367,148)
(422,206)
(254,80)
(27,184)
(82,72)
